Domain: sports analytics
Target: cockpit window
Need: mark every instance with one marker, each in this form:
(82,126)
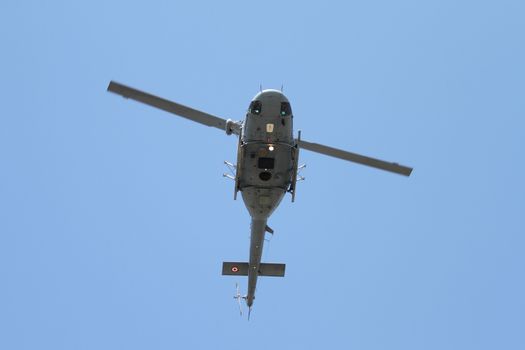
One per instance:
(286,109)
(256,107)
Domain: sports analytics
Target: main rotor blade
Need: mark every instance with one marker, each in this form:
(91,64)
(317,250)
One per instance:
(356,158)
(168,106)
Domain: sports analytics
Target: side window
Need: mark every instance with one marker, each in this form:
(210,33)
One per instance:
(286,109)
(256,107)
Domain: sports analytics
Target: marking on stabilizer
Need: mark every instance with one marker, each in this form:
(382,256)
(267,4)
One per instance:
(235,269)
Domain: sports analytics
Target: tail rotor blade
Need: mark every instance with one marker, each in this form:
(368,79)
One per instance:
(238,297)
(240,307)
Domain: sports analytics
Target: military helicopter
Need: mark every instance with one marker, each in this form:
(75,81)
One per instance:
(267,166)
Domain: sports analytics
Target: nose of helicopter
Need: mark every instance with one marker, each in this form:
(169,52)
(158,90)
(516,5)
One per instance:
(270,95)
(270,102)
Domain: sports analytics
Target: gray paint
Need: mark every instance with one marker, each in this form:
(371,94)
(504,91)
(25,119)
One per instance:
(267,163)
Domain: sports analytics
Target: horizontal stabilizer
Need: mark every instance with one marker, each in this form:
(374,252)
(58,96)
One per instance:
(235,268)
(273,270)
(241,269)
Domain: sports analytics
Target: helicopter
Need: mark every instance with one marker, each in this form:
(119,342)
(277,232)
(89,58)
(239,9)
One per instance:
(267,166)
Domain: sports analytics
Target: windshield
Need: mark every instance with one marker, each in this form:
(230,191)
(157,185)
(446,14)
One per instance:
(286,109)
(256,107)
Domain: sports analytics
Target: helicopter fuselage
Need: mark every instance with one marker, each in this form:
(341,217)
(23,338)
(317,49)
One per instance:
(265,168)
(267,165)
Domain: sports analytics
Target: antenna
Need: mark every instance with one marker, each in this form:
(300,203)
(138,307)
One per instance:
(282,87)
(260,87)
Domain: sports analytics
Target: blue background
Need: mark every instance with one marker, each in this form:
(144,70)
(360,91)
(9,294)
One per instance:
(115,217)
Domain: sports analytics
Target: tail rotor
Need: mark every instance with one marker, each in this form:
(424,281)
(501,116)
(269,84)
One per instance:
(238,296)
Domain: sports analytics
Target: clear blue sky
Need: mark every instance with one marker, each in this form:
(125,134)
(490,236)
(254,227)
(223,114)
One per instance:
(115,218)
